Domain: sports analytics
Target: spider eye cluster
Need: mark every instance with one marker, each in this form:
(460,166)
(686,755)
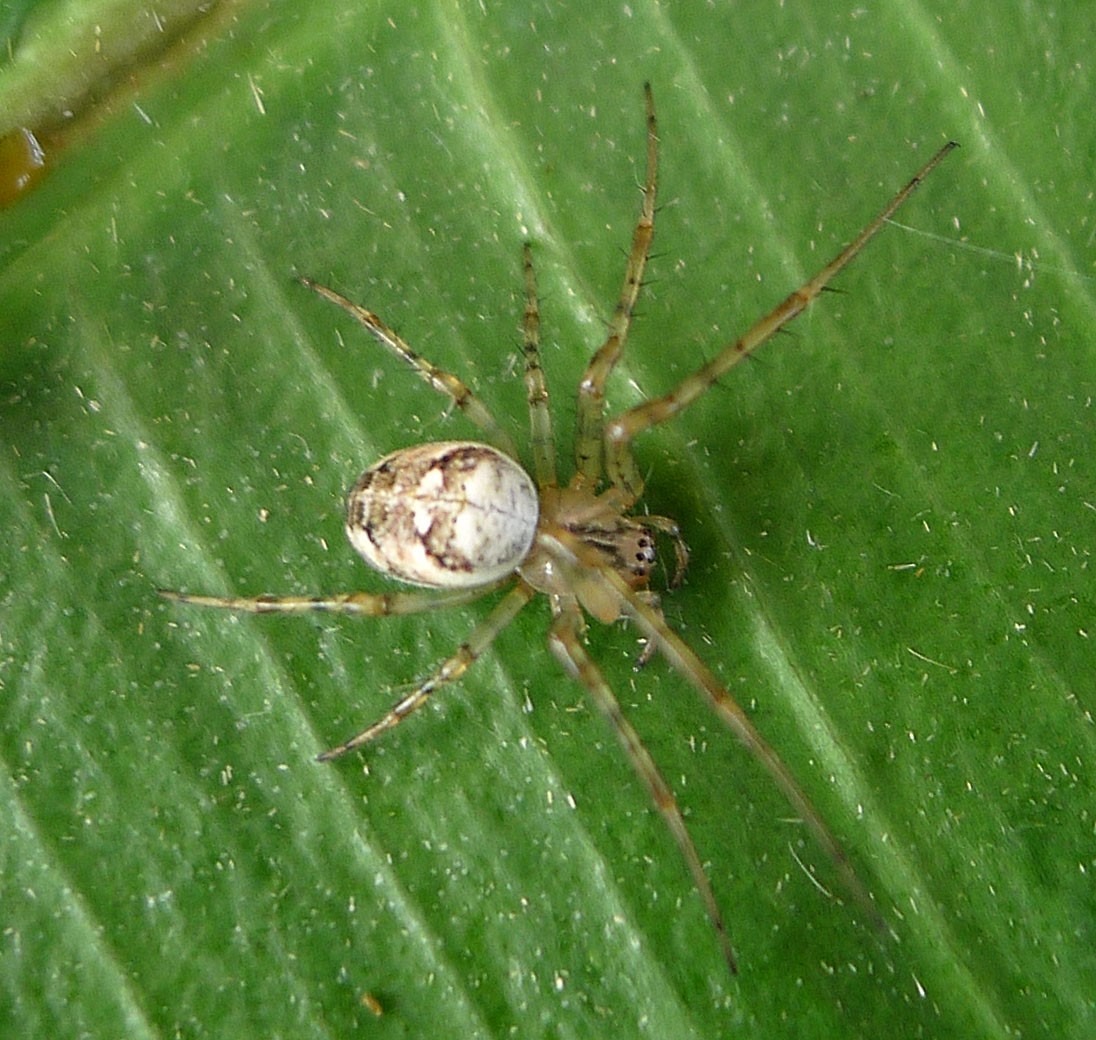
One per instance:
(637,553)
(456,514)
(644,553)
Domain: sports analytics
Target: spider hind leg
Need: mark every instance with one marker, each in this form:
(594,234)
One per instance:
(449,671)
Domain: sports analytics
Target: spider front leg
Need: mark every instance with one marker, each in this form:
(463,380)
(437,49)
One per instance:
(621,468)
(573,553)
(566,643)
(591,392)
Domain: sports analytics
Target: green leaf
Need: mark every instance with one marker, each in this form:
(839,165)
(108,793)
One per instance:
(890,512)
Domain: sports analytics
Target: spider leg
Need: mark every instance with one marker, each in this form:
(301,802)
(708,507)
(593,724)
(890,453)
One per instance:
(444,382)
(361,604)
(565,639)
(620,467)
(450,670)
(690,667)
(591,391)
(536,386)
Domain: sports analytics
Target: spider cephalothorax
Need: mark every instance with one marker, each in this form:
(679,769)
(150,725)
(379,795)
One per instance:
(462,519)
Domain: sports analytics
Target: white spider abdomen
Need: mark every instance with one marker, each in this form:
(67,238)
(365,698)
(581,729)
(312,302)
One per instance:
(451,515)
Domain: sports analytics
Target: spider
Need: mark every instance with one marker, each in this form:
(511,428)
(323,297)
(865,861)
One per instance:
(462,519)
